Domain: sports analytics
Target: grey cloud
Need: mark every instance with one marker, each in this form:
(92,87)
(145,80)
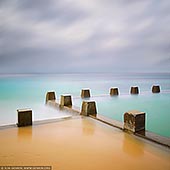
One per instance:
(57,11)
(81,36)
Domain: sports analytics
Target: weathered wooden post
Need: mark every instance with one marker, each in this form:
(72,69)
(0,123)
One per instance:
(24,117)
(134,121)
(114,91)
(85,93)
(89,108)
(134,90)
(50,96)
(66,100)
(155,89)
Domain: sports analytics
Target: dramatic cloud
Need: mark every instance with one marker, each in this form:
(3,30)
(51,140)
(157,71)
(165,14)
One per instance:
(56,36)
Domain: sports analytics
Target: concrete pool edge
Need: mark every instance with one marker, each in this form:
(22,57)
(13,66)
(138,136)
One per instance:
(75,112)
(147,135)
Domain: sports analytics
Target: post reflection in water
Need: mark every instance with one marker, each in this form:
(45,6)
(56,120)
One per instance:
(25,134)
(88,127)
(132,146)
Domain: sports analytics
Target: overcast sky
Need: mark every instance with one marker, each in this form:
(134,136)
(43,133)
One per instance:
(62,36)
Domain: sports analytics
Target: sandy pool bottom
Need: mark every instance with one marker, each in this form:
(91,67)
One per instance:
(79,144)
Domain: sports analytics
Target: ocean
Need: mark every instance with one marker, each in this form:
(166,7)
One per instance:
(29,90)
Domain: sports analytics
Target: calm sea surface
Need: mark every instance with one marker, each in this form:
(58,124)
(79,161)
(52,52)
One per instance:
(28,91)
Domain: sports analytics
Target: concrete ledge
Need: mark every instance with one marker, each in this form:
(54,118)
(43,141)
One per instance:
(50,96)
(24,117)
(85,93)
(134,90)
(114,91)
(89,108)
(165,141)
(155,89)
(134,121)
(66,100)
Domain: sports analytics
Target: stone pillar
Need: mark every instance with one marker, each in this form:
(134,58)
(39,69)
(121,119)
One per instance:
(50,96)
(85,93)
(114,91)
(155,89)
(134,90)
(88,108)
(66,100)
(134,121)
(24,117)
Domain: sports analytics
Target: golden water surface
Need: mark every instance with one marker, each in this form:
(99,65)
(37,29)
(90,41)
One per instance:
(80,144)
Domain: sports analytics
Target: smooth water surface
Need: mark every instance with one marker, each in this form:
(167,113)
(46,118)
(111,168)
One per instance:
(28,91)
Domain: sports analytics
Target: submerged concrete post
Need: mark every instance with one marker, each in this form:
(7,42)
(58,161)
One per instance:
(155,89)
(24,117)
(89,108)
(50,96)
(66,100)
(85,93)
(134,90)
(114,91)
(134,121)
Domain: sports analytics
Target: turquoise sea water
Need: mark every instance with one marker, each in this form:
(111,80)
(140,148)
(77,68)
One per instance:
(28,91)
